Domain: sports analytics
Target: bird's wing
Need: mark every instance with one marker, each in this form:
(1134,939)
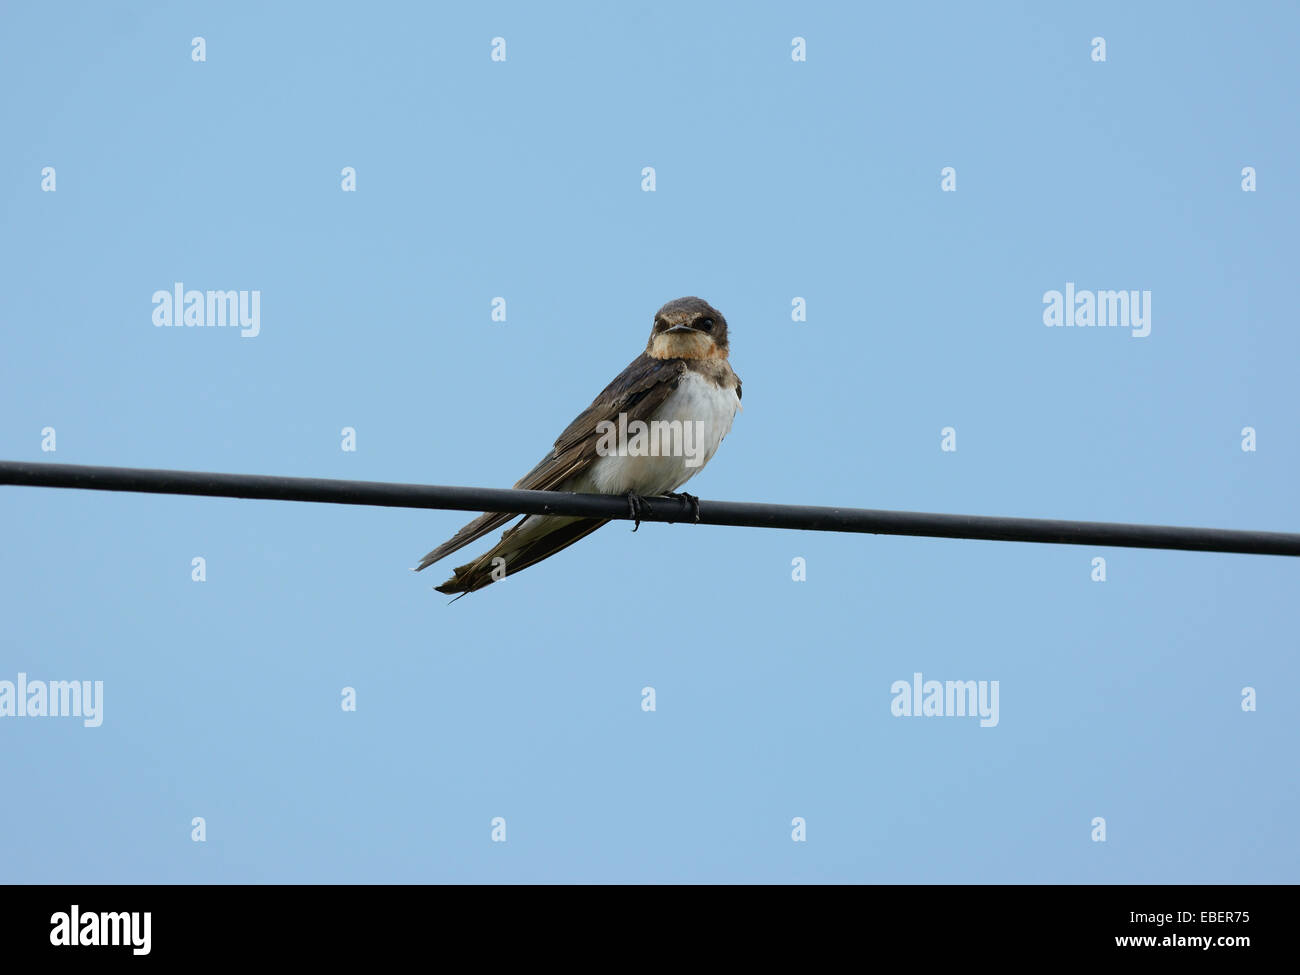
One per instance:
(519,554)
(475,530)
(638,391)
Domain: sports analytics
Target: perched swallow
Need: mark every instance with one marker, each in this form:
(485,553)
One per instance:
(682,379)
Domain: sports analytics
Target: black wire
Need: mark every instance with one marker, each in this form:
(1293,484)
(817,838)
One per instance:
(801,517)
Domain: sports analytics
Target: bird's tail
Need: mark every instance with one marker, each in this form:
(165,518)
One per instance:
(535,538)
(472,532)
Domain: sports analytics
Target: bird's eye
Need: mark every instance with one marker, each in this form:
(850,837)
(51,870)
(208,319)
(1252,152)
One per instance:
(705,325)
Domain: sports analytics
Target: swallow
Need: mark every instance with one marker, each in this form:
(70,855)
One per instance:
(683,380)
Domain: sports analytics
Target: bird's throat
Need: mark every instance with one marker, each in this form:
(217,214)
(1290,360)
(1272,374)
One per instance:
(684,345)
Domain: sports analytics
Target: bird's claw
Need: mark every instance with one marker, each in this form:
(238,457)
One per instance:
(690,499)
(635,505)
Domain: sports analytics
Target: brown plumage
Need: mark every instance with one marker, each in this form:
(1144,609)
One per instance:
(639,391)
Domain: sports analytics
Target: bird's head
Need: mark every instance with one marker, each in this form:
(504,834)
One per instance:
(688,328)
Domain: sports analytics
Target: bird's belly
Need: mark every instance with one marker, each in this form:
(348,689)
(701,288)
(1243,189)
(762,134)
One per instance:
(674,445)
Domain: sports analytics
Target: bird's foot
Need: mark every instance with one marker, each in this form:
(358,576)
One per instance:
(635,505)
(690,499)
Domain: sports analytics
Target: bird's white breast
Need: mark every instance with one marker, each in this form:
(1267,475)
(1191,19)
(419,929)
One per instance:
(698,404)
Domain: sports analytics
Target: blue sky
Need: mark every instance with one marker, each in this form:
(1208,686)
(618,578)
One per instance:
(775,179)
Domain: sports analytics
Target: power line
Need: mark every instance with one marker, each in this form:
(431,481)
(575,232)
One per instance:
(790,516)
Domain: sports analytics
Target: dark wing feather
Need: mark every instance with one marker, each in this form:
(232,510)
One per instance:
(477,574)
(639,390)
(472,532)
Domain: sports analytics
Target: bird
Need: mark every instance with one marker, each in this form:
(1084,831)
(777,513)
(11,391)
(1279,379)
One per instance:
(682,386)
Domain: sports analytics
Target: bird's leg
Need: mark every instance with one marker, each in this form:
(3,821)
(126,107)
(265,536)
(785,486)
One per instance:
(635,505)
(690,499)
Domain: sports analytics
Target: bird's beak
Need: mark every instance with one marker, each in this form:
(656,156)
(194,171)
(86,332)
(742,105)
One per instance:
(679,329)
